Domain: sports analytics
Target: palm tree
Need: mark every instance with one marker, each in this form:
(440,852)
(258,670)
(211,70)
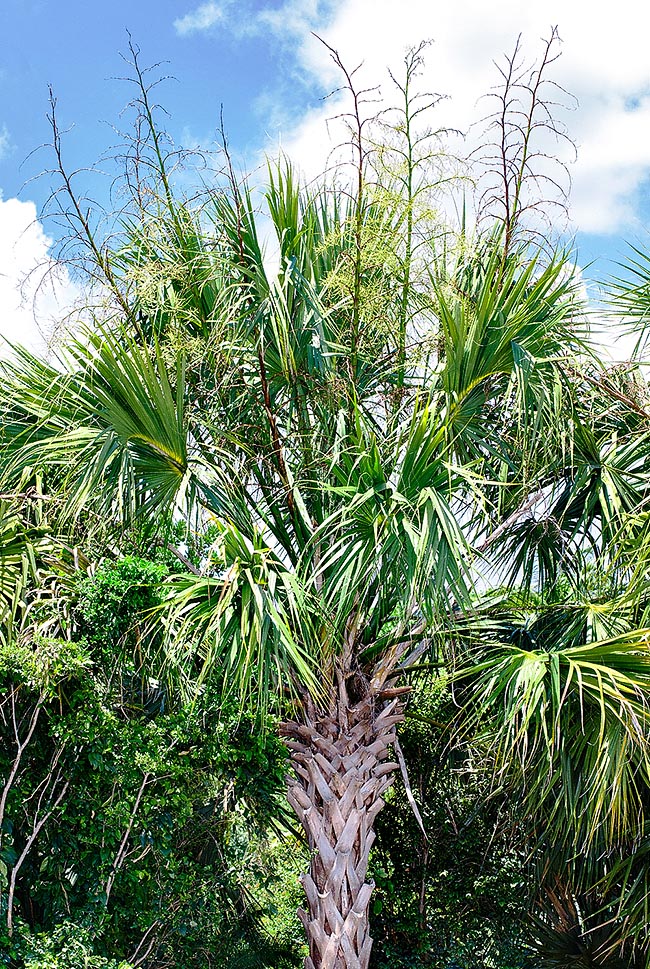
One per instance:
(356,485)
(345,516)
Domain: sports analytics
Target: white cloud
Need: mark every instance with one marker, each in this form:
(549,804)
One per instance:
(35,292)
(5,142)
(243,18)
(203,18)
(604,64)
(295,17)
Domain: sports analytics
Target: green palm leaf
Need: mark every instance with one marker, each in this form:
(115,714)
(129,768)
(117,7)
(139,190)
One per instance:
(575,720)
(111,427)
(249,621)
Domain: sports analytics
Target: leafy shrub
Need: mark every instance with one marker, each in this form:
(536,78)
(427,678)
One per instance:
(162,835)
(68,946)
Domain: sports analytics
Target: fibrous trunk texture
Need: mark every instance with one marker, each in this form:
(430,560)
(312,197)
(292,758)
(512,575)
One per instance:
(341,772)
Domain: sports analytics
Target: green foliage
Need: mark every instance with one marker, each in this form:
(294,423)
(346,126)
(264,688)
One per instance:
(68,946)
(160,832)
(456,899)
(43,665)
(113,599)
(279,893)
(114,614)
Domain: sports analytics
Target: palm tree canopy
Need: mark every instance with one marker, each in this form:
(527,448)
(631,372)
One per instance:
(269,405)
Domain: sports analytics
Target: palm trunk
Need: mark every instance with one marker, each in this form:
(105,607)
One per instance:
(341,772)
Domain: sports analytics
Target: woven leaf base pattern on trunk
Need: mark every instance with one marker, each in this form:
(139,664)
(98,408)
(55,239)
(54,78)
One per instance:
(342,769)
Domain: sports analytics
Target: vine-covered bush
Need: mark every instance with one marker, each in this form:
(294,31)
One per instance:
(136,827)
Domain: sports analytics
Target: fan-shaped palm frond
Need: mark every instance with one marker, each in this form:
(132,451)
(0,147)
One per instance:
(502,326)
(628,295)
(575,720)
(111,425)
(250,623)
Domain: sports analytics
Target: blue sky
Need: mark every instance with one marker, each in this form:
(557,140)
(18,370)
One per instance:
(259,58)
(75,46)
